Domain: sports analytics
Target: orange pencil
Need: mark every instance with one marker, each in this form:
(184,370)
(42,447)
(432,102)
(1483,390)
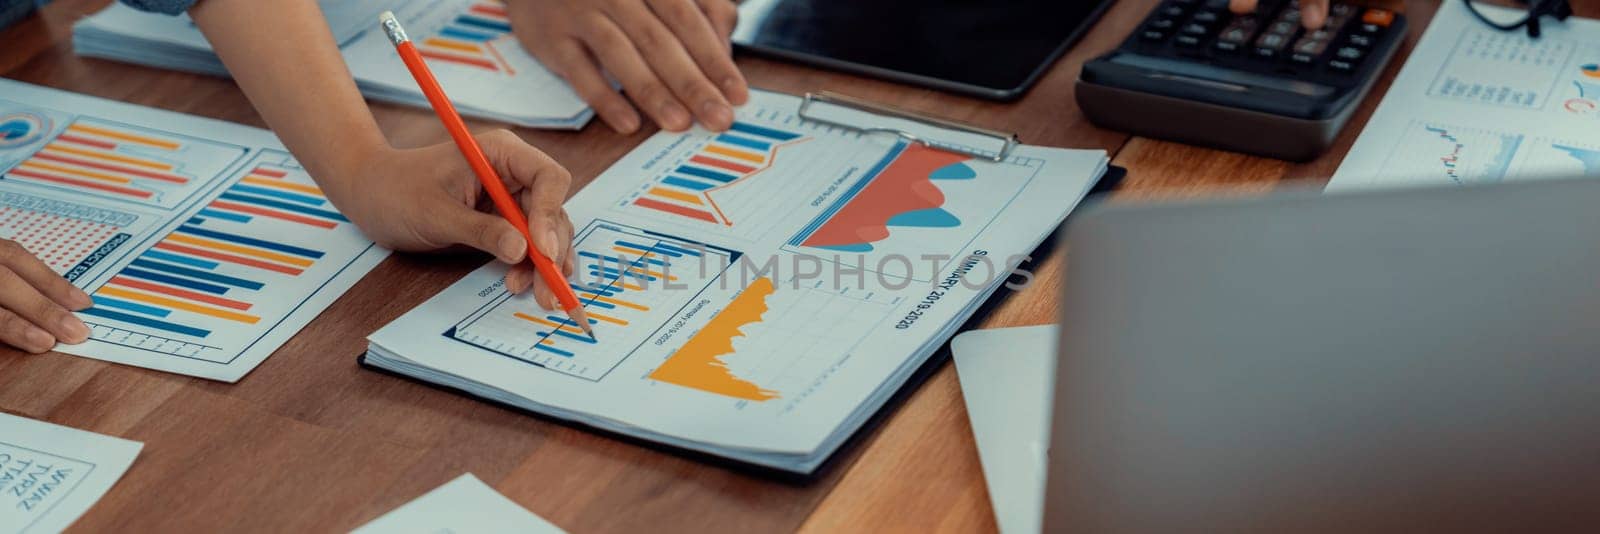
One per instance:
(480,166)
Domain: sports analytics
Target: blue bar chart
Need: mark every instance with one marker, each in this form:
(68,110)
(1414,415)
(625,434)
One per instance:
(230,270)
(629,281)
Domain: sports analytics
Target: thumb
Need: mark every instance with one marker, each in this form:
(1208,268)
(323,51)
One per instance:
(482,231)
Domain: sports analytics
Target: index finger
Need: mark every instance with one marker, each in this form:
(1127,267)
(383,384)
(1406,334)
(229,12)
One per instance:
(1313,13)
(693,27)
(1242,6)
(523,167)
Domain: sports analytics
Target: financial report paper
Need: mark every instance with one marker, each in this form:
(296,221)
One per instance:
(1475,105)
(756,293)
(50,475)
(204,244)
(467,43)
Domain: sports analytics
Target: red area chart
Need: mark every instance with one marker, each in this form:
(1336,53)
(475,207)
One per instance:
(902,194)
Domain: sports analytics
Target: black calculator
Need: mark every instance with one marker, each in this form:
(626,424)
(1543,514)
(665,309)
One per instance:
(1257,83)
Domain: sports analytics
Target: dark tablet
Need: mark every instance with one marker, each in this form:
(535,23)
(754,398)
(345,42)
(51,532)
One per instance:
(989,48)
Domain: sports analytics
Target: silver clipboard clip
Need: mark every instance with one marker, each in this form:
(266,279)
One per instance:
(977,142)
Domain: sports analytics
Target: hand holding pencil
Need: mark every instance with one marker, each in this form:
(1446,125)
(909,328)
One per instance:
(549,270)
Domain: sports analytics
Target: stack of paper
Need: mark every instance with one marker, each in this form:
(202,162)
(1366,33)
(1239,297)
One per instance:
(50,475)
(125,34)
(204,244)
(756,294)
(1475,105)
(467,43)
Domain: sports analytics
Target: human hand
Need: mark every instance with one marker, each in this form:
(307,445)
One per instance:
(1313,13)
(427,199)
(673,57)
(36,304)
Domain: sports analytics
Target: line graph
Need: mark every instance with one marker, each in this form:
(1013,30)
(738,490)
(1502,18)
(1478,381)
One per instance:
(691,188)
(1451,154)
(630,280)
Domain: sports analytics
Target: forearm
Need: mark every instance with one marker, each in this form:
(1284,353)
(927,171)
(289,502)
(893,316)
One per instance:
(283,56)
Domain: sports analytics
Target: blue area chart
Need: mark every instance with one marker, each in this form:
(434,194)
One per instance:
(1588,157)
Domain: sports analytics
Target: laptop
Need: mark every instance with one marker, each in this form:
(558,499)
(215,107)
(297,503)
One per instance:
(1391,362)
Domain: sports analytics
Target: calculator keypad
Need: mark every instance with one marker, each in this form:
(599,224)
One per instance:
(1270,40)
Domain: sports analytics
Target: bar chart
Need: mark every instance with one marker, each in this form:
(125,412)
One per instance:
(630,282)
(469,39)
(231,270)
(126,163)
(691,188)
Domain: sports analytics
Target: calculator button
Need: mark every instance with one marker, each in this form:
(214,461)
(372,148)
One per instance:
(1339,65)
(1162,24)
(1197,30)
(1235,34)
(1206,17)
(1284,27)
(1341,10)
(1153,35)
(1270,45)
(1313,42)
(1360,40)
(1349,53)
(1378,17)
(1173,11)
(1187,41)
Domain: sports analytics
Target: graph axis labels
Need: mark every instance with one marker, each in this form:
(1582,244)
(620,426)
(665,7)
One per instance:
(459,332)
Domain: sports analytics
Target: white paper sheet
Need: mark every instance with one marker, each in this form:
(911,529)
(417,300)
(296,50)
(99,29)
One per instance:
(467,43)
(466,506)
(753,345)
(203,243)
(1475,105)
(50,475)
(1006,377)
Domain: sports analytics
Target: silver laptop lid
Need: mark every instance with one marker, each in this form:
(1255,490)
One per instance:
(1423,360)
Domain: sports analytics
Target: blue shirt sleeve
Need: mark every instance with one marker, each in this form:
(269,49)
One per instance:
(170,7)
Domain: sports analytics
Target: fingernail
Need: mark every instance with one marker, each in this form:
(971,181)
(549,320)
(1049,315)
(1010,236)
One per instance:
(730,85)
(80,300)
(550,245)
(511,248)
(74,329)
(514,282)
(720,116)
(626,121)
(673,116)
(38,340)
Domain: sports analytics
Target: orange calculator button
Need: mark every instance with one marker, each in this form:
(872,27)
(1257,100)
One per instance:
(1378,17)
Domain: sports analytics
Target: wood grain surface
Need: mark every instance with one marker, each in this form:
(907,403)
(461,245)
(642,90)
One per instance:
(311,442)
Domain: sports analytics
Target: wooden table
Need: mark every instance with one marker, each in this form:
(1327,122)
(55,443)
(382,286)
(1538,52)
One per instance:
(311,442)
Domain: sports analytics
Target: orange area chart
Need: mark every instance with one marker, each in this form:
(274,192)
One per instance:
(699,364)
